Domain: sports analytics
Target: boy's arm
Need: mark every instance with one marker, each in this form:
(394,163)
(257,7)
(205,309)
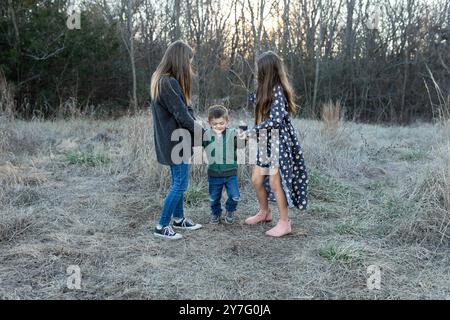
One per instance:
(207,138)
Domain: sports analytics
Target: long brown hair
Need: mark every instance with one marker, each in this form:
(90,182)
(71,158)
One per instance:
(271,72)
(176,62)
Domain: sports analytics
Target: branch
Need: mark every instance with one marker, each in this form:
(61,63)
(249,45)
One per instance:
(46,56)
(240,80)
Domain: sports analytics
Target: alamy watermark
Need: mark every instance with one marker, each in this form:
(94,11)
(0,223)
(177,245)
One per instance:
(74,279)
(226,149)
(74,21)
(374,18)
(374,279)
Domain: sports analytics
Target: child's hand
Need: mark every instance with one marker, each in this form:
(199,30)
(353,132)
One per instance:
(217,132)
(243,135)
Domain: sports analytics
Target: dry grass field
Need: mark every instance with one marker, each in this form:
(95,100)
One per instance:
(87,193)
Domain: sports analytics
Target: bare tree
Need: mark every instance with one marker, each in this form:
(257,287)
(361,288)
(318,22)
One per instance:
(257,23)
(318,54)
(285,44)
(129,8)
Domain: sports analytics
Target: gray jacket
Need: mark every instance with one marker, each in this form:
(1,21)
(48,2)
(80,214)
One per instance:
(170,112)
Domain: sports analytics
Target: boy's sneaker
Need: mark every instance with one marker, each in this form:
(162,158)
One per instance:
(186,224)
(229,218)
(167,233)
(214,219)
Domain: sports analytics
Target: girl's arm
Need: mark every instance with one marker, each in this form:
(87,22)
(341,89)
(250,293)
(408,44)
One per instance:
(191,112)
(171,96)
(277,113)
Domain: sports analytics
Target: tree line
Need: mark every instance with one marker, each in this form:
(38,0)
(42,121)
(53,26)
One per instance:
(386,61)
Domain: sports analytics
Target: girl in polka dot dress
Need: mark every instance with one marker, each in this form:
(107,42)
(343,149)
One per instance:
(280,173)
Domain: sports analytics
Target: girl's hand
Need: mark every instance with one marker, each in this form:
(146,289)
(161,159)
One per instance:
(243,135)
(251,98)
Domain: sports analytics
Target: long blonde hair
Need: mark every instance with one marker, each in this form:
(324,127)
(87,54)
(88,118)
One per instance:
(271,72)
(176,62)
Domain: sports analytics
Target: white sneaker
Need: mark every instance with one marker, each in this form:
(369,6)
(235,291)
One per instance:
(187,224)
(167,233)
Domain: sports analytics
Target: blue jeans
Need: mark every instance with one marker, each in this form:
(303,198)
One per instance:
(216,185)
(173,204)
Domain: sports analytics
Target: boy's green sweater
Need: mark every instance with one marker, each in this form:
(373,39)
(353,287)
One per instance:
(220,167)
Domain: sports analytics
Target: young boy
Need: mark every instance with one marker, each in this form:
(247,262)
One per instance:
(220,143)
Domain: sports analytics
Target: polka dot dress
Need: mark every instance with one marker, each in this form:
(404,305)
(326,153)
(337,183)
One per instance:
(279,132)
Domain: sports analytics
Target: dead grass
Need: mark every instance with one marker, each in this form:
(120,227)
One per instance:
(379,196)
(430,224)
(21,175)
(7,102)
(14,225)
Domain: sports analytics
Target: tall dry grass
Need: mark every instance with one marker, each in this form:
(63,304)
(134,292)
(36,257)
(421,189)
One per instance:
(7,102)
(441,109)
(430,191)
(332,115)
